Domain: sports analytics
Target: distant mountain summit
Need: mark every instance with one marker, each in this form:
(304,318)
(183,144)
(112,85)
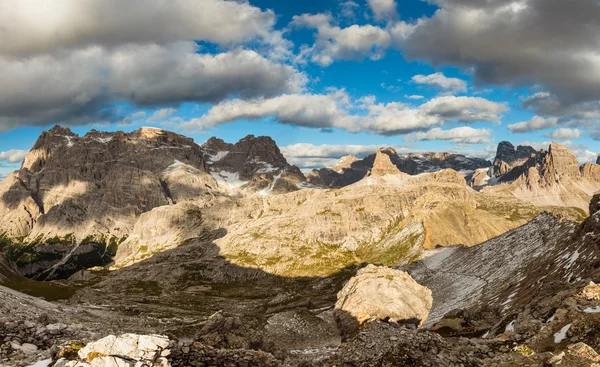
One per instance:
(351,170)
(253,161)
(545,177)
(509,157)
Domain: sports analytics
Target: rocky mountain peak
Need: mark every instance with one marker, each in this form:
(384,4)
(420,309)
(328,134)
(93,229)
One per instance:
(253,161)
(557,163)
(59,130)
(509,157)
(383,164)
(344,163)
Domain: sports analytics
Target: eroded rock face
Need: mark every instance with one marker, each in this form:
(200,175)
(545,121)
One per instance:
(254,162)
(551,177)
(382,293)
(383,165)
(75,195)
(158,230)
(508,157)
(125,350)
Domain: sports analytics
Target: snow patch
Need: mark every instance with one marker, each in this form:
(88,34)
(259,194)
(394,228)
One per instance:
(217,157)
(228,179)
(104,140)
(592,309)
(69,141)
(44,363)
(562,334)
(511,326)
(268,190)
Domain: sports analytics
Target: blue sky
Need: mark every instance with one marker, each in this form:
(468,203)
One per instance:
(408,74)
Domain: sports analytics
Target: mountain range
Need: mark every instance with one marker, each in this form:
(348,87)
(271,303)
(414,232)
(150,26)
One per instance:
(119,225)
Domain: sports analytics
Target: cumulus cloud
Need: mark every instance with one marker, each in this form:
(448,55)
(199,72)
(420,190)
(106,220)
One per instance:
(536,123)
(440,81)
(309,156)
(459,135)
(77,87)
(383,9)
(307,110)
(515,42)
(13,156)
(348,9)
(338,110)
(305,150)
(31,26)
(161,114)
(334,43)
(564,134)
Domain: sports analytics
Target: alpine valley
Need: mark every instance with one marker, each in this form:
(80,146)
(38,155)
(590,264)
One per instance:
(147,249)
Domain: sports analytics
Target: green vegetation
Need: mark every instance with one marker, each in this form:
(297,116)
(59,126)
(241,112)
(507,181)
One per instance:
(329,212)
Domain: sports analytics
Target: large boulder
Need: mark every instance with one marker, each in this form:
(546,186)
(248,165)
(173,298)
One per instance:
(381,293)
(125,350)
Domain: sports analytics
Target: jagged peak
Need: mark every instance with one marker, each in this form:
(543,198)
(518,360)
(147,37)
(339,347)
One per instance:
(59,130)
(383,164)
(344,162)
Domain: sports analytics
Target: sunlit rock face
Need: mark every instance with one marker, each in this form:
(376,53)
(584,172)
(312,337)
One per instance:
(508,157)
(548,177)
(75,198)
(380,293)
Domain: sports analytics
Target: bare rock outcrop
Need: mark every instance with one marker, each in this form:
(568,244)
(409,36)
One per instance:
(125,350)
(590,171)
(253,162)
(548,177)
(383,165)
(381,293)
(509,157)
(75,197)
(344,163)
(160,229)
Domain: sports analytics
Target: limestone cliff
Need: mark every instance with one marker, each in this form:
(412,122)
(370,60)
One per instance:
(549,177)
(509,157)
(253,162)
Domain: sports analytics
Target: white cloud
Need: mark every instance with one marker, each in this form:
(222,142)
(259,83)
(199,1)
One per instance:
(334,43)
(162,114)
(383,9)
(31,26)
(564,134)
(536,123)
(337,110)
(308,110)
(305,150)
(76,87)
(13,156)
(348,9)
(440,81)
(515,43)
(459,135)
(414,97)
